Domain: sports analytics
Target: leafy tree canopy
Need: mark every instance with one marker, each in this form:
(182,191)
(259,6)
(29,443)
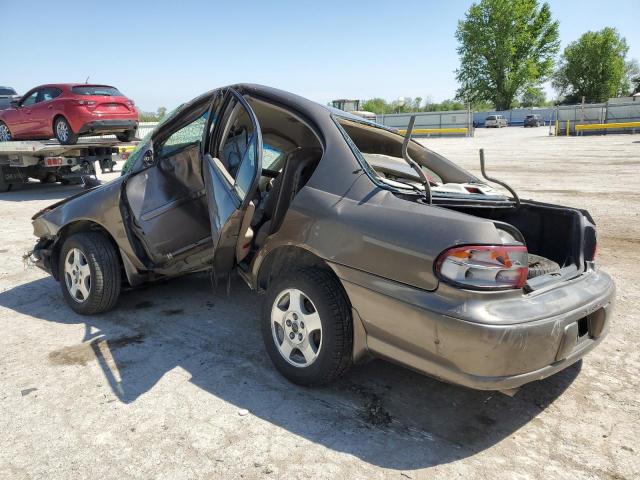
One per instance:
(506,47)
(594,66)
(410,105)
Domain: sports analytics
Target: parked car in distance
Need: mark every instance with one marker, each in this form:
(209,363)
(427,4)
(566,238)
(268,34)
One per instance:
(533,120)
(365,242)
(7,95)
(68,111)
(495,121)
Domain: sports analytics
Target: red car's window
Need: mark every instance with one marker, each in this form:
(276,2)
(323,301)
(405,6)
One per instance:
(97,90)
(30,100)
(49,94)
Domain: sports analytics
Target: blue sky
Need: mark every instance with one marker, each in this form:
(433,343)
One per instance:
(162,53)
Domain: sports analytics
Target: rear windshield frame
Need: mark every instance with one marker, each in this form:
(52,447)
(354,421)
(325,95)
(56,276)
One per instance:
(96,90)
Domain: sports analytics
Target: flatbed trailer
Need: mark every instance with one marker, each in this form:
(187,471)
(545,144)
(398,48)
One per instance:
(49,161)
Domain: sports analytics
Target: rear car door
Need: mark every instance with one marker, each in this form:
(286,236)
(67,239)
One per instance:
(232,165)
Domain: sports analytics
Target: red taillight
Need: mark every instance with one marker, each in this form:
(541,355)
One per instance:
(87,103)
(484,267)
(53,161)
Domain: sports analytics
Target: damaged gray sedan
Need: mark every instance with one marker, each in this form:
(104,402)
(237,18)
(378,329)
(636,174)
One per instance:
(365,242)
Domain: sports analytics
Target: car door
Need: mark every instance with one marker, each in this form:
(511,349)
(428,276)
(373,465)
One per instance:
(42,112)
(22,121)
(165,193)
(232,165)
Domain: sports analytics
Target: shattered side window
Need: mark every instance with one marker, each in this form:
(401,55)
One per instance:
(190,134)
(270,155)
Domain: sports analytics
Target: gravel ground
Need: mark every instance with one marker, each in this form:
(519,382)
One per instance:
(175,383)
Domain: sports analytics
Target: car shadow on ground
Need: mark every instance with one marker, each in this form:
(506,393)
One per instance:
(384,414)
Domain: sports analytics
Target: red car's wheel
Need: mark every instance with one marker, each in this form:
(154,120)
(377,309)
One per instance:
(63,132)
(5,133)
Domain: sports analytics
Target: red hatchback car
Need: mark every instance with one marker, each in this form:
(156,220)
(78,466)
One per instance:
(67,111)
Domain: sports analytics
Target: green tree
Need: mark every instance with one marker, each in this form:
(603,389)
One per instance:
(506,46)
(378,106)
(533,97)
(636,83)
(632,77)
(162,111)
(594,66)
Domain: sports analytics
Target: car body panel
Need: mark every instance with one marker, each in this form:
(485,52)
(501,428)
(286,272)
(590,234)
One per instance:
(441,337)
(382,248)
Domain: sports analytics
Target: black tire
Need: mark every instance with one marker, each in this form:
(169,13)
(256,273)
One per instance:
(71,138)
(128,136)
(71,181)
(540,266)
(326,293)
(49,178)
(104,265)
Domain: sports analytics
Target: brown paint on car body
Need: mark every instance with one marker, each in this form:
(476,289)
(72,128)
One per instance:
(382,247)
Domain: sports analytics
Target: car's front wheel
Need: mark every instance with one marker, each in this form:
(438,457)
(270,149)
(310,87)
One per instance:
(307,327)
(89,273)
(63,132)
(5,133)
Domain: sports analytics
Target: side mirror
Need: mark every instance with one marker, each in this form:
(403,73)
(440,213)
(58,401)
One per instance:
(15,103)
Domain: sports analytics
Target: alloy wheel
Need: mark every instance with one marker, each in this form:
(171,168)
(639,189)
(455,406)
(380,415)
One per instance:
(62,131)
(5,134)
(77,275)
(296,327)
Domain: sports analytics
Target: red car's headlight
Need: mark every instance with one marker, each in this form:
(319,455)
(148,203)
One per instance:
(484,267)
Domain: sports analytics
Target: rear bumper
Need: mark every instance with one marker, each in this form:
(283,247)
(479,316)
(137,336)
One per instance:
(488,342)
(107,126)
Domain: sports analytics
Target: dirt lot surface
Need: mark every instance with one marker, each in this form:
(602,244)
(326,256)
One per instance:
(175,382)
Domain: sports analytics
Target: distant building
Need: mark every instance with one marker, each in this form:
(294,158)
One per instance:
(353,107)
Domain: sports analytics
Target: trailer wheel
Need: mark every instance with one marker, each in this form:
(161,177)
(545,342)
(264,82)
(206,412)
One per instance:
(127,136)
(63,132)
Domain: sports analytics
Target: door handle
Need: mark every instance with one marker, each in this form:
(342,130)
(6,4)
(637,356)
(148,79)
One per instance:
(50,107)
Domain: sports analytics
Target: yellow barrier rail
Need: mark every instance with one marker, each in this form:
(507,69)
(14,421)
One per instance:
(426,131)
(604,126)
(126,148)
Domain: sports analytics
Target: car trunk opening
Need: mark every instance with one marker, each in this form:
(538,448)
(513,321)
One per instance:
(564,235)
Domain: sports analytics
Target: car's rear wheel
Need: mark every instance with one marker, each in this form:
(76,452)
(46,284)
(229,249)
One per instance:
(5,133)
(63,132)
(127,136)
(89,273)
(307,327)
